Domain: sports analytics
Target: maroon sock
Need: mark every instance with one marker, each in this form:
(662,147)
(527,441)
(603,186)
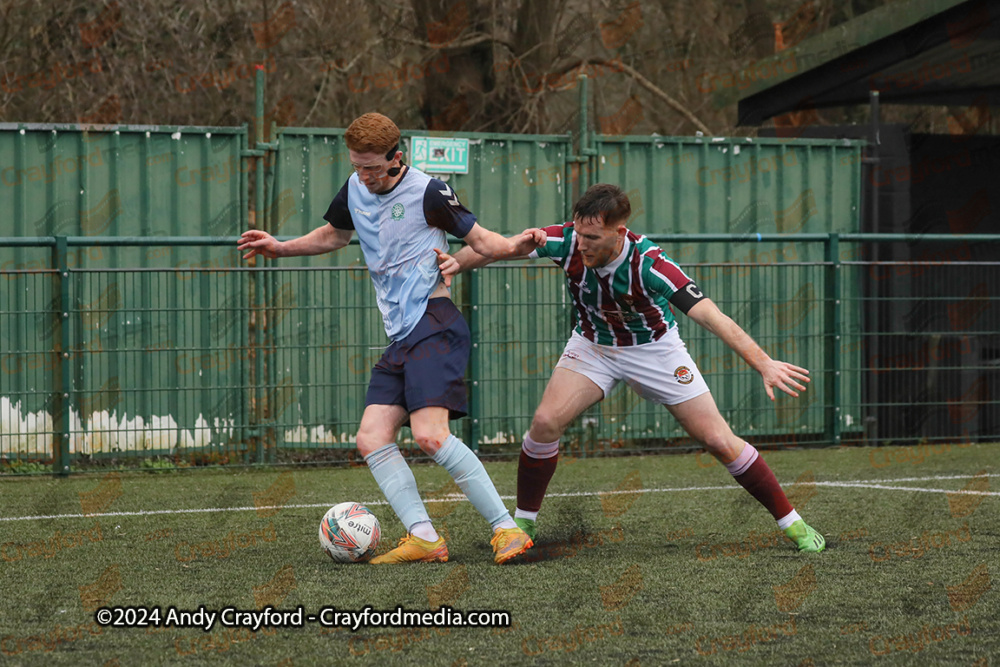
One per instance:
(533,477)
(761,483)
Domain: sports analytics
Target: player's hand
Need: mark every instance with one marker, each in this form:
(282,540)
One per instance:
(258,243)
(534,236)
(448,265)
(784,376)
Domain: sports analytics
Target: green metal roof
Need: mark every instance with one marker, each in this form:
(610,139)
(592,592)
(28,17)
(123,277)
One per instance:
(914,52)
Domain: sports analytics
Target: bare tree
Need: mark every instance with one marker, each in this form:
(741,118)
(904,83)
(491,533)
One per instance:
(450,65)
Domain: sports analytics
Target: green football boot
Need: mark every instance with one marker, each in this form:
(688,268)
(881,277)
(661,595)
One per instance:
(805,538)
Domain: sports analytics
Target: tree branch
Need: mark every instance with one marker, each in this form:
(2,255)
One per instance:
(655,90)
(319,96)
(470,41)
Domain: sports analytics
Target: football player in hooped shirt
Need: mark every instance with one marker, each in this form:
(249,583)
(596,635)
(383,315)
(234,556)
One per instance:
(623,287)
(401,216)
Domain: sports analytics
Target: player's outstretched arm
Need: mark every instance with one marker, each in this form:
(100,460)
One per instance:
(495,247)
(320,240)
(517,247)
(780,374)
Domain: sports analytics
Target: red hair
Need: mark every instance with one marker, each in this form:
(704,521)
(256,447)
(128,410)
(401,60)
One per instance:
(372,133)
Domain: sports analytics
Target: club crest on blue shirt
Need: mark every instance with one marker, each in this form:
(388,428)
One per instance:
(397,211)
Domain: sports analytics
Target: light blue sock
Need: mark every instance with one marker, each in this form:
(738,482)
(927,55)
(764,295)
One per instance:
(396,480)
(470,475)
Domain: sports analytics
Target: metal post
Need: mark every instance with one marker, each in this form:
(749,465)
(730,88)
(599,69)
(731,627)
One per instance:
(873,252)
(260,291)
(875,155)
(62,371)
(471,297)
(586,152)
(832,319)
(258,139)
(583,158)
(247,432)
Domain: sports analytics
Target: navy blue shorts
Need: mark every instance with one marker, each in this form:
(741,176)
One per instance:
(427,368)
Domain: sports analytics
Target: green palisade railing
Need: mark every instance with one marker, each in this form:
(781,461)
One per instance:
(137,362)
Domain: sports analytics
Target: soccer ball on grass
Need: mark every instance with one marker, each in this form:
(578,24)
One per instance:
(349,533)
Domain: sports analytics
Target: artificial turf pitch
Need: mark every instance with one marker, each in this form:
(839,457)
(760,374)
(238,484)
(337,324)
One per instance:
(640,561)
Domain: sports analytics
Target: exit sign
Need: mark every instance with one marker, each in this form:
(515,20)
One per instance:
(440,154)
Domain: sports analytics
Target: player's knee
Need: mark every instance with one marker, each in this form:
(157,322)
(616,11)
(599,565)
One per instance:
(364,445)
(546,426)
(719,442)
(369,440)
(431,440)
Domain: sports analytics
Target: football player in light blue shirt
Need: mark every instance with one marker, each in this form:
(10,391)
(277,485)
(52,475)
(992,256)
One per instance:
(401,216)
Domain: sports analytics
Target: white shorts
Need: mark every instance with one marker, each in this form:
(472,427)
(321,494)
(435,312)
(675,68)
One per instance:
(661,371)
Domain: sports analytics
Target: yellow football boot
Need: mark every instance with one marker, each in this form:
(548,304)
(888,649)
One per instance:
(508,543)
(412,549)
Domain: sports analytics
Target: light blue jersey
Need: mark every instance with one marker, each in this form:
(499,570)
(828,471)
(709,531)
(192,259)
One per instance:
(399,231)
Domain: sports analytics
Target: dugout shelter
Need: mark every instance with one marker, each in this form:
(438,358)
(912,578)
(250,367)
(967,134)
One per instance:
(931,358)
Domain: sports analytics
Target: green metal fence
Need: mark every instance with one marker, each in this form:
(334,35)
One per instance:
(203,365)
(131,328)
